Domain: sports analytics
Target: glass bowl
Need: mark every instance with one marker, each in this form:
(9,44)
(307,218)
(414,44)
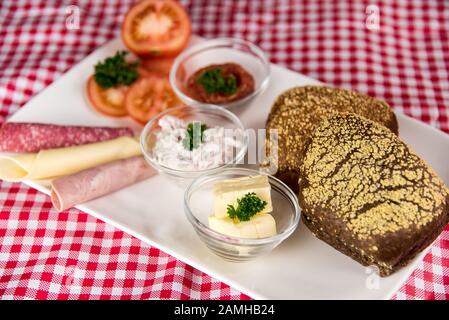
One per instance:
(213,116)
(219,51)
(198,205)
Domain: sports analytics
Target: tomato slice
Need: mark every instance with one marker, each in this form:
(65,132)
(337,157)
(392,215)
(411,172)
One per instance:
(156,28)
(110,101)
(160,65)
(149,96)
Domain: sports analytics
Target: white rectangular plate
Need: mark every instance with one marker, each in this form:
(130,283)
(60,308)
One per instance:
(302,267)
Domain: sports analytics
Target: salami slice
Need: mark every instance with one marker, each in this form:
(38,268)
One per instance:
(95,182)
(33,137)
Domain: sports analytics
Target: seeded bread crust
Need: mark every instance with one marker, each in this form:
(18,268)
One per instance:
(365,193)
(297,111)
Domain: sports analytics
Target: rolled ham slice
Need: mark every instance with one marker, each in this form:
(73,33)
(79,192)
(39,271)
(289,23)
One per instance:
(33,137)
(95,182)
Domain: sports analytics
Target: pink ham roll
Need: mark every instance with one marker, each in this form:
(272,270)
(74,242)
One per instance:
(95,182)
(32,137)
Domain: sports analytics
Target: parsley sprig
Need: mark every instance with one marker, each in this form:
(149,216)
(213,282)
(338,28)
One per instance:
(194,135)
(115,70)
(213,81)
(247,206)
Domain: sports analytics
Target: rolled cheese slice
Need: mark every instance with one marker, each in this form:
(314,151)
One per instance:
(52,163)
(92,183)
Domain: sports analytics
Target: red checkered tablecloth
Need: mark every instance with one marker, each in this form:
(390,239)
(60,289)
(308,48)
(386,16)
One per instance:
(402,57)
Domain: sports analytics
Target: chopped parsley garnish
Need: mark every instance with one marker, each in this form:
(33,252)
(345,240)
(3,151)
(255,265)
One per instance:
(247,206)
(213,81)
(115,70)
(194,135)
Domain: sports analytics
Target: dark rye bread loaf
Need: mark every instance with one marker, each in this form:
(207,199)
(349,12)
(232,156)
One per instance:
(297,111)
(364,192)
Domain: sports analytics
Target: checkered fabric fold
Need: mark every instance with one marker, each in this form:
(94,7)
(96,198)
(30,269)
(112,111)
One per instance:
(402,57)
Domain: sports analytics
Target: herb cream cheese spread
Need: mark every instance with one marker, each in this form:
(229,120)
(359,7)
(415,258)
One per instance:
(192,146)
